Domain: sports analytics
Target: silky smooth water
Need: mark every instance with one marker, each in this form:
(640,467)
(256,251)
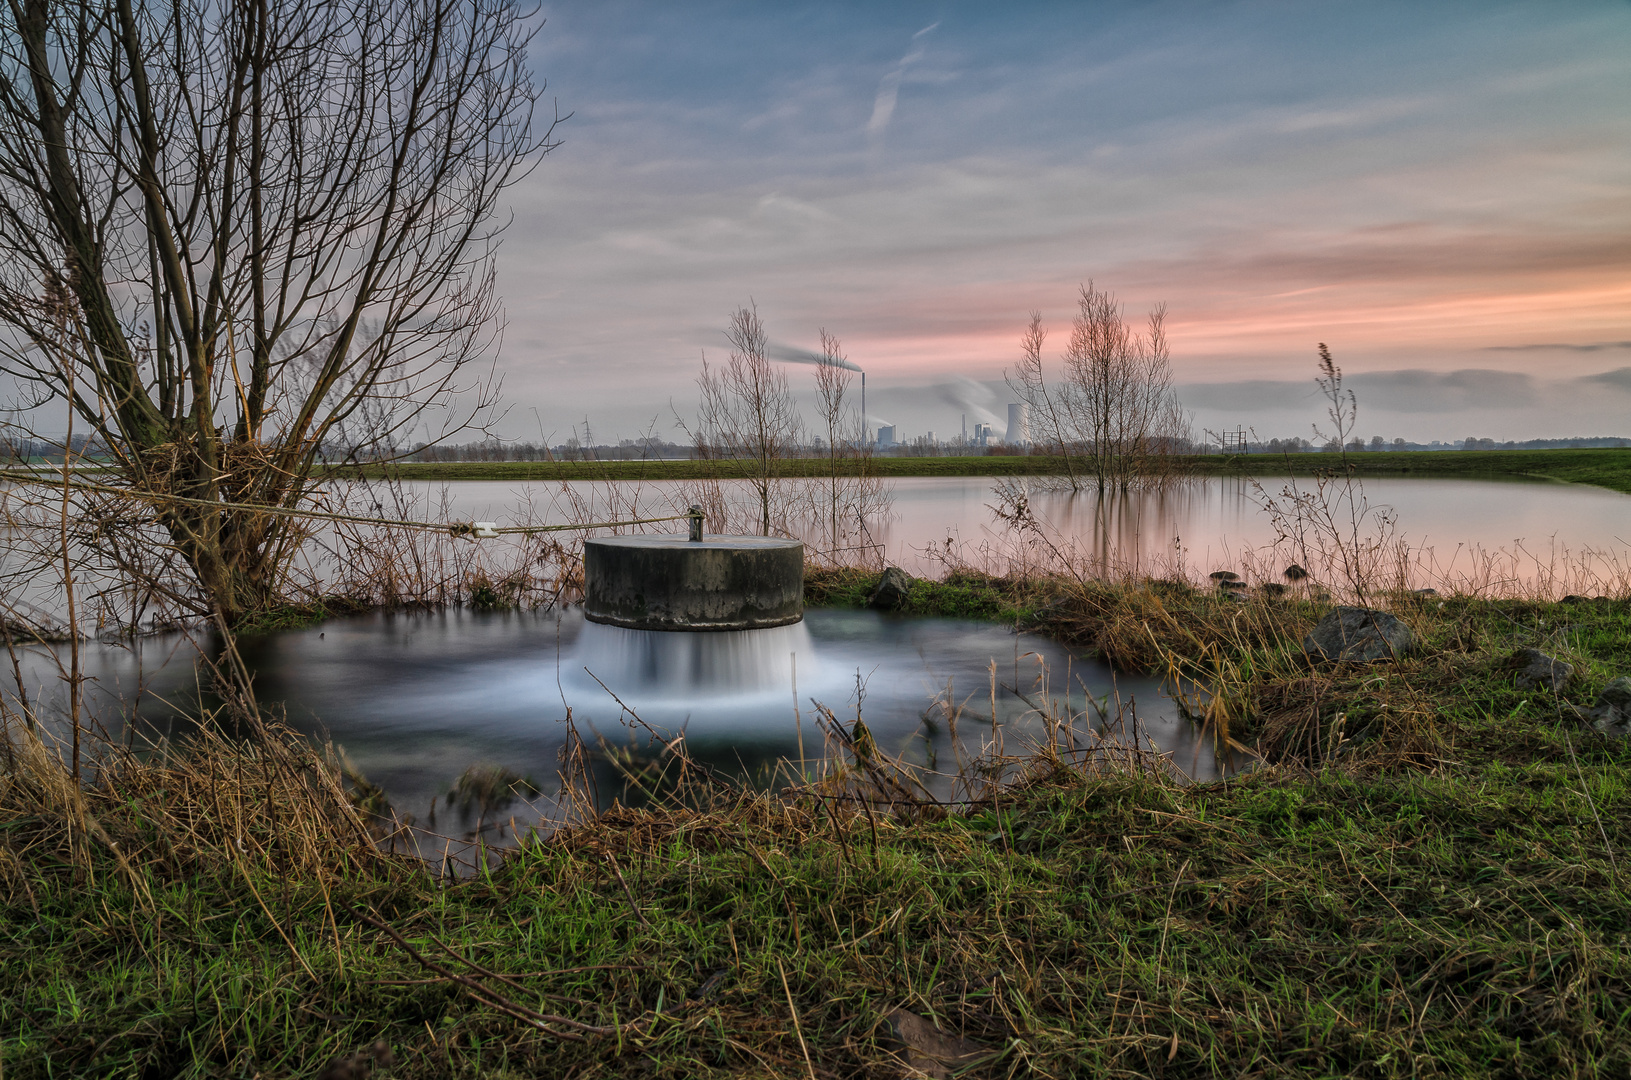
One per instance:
(415,699)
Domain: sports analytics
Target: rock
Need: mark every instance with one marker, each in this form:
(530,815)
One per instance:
(1542,671)
(1220,576)
(930,1051)
(892,589)
(1295,573)
(1423,592)
(1272,589)
(1359,635)
(1618,694)
(1611,715)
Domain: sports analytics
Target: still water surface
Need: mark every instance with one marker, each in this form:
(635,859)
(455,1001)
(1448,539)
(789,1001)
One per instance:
(1207,523)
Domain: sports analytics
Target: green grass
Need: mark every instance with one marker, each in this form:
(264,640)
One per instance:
(1434,884)
(295,616)
(962,594)
(1609,468)
(1320,925)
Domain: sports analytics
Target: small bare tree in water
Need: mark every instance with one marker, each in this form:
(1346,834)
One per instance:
(1115,411)
(851,494)
(748,414)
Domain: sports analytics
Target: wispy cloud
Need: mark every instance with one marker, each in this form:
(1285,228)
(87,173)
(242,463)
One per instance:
(1589,347)
(883,103)
(1618,379)
(1405,390)
(1423,404)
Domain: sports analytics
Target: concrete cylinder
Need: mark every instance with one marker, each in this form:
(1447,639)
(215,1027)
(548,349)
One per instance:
(673,583)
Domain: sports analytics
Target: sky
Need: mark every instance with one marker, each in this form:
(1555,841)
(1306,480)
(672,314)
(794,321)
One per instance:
(1441,192)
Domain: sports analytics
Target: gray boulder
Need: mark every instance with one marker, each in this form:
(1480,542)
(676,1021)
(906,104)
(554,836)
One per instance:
(1540,671)
(1359,635)
(892,589)
(1611,714)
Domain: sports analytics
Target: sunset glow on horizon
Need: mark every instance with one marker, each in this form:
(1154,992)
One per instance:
(1430,190)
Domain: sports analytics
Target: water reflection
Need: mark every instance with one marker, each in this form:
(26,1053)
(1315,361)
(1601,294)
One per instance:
(1469,534)
(1141,533)
(1450,527)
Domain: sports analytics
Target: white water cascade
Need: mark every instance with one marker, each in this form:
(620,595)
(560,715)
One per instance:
(680,670)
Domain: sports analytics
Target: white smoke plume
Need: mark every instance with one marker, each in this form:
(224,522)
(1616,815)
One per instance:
(976,399)
(792,355)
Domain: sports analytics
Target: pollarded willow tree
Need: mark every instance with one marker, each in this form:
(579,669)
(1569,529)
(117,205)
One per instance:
(238,236)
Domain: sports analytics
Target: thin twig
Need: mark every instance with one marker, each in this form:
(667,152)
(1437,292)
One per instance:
(485,994)
(628,892)
(1166,922)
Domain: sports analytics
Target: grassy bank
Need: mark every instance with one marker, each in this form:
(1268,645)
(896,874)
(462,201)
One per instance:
(1606,468)
(1429,878)
(1602,468)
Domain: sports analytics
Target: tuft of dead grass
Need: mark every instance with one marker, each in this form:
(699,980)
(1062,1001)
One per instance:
(266,800)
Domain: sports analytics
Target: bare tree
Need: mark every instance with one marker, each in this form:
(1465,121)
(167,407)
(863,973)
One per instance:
(747,411)
(852,493)
(832,383)
(1115,407)
(1047,408)
(265,231)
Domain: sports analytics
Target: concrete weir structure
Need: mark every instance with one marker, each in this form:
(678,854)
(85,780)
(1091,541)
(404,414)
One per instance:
(711,583)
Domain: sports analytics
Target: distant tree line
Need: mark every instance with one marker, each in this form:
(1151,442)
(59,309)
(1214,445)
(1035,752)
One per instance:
(657,449)
(1296,445)
(23,448)
(91,447)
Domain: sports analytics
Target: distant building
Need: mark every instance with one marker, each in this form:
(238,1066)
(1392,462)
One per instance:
(886,435)
(1019,425)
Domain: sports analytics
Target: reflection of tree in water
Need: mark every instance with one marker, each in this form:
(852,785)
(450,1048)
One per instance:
(1137,532)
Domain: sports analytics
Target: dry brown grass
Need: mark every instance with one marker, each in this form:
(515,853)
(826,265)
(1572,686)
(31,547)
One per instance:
(1373,722)
(265,800)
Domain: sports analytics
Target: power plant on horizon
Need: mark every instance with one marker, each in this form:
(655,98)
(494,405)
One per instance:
(984,435)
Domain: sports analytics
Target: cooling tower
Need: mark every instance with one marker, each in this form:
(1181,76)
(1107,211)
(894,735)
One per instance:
(1019,426)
